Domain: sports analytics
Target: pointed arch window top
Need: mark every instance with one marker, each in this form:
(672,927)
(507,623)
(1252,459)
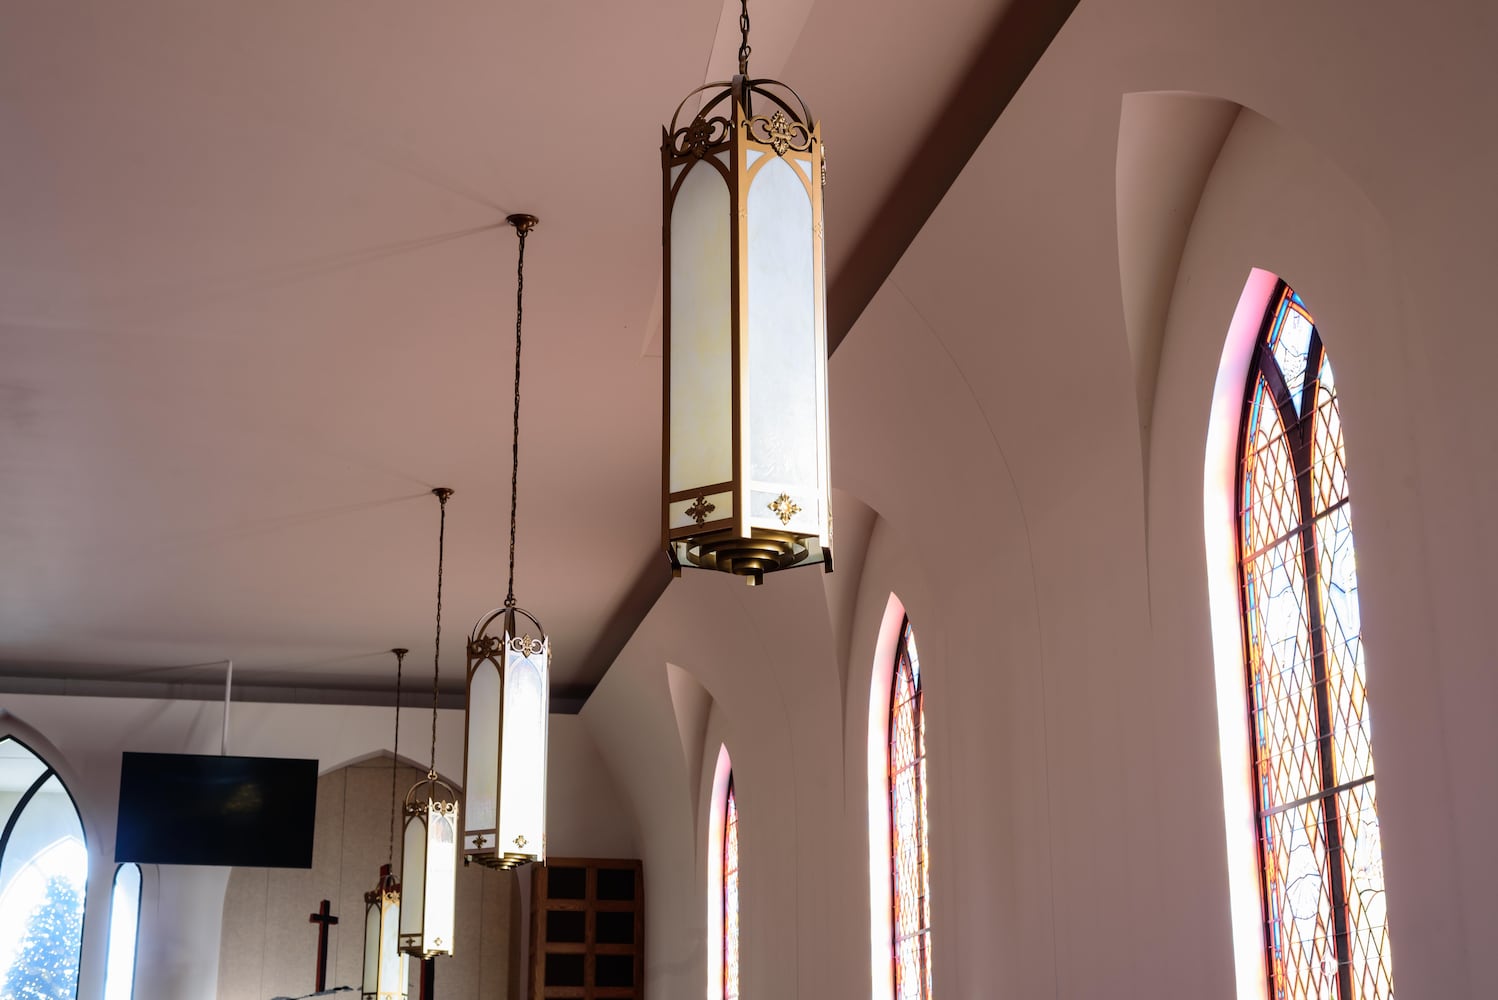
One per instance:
(43,877)
(730,894)
(124,933)
(910,864)
(1320,853)
(1289,337)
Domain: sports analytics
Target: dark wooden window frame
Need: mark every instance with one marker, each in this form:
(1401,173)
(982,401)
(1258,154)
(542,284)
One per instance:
(918,699)
(1299,429)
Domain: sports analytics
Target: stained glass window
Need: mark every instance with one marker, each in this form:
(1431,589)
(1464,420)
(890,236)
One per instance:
(43,878)
(910,872)
(1326,936)
(730,895)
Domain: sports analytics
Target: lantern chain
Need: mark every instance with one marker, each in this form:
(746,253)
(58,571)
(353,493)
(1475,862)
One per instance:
(442,495)
(744,48)
(522,230)
(400,659)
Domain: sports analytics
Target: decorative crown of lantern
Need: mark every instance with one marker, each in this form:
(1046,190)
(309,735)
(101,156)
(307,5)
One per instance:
(504,824)
(746,488)
(505,731)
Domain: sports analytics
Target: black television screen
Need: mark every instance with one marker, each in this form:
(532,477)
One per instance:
(191,809)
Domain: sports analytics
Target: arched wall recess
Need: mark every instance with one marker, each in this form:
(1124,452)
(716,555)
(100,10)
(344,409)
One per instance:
(1274,203)
(713,856)
(1168,143)
(124,932)
(692,706)
(765,659)
(881,903)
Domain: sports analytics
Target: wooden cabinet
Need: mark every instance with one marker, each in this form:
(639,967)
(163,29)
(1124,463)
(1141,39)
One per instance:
(587,930)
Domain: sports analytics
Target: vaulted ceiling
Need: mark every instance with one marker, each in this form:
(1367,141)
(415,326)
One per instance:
(257,299)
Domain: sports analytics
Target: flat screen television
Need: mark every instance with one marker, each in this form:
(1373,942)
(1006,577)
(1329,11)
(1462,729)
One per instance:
(192,809)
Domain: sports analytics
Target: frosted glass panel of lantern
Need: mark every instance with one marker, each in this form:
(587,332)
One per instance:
(124,925)
(413,874)
(523,778)
(701,332)
(805,510)
(482,775)
(393,968)
(782,380)
(441,880)
(721,507)
(371,946)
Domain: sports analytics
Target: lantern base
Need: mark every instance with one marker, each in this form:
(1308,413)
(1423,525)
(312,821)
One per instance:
(763,552)
(504,863)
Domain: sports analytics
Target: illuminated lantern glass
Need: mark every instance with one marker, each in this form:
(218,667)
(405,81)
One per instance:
(429,869)
(386,971)
(745,480)
(429,844)
(504,752)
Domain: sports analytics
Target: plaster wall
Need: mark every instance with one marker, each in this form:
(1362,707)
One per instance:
(991,418)
(267,940)
(182,920)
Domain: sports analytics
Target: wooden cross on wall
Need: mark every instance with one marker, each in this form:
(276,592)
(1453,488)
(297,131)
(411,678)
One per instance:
(324,920)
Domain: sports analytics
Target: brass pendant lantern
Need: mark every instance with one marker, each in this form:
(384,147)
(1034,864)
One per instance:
(509,658)
(386,971)
(386,968)
(429,857)
(746,488)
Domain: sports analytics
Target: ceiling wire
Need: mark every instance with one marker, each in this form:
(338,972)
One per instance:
(522,229)
(395,761)
(744,48)
(442,494)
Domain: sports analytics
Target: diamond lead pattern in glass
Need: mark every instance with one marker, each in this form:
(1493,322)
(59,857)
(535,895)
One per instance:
(907,808)
(1323,880)
(730,896)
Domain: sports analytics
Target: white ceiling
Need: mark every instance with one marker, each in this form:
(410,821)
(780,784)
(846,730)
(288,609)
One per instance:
(256,300)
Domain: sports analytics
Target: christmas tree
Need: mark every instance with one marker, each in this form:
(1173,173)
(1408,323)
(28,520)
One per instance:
(46,967)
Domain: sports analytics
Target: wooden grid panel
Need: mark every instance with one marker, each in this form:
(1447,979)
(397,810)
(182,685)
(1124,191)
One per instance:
(588,930)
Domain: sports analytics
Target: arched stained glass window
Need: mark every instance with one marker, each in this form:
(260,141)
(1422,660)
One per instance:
(43,878)
(730,895)
(124,933)
(911,895)
(1321,860)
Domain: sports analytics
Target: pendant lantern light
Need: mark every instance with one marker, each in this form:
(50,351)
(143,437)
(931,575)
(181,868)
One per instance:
(386,972)
(745,481)
(429,858)
(509,658)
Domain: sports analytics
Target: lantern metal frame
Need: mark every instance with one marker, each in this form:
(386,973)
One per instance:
(495,729)
(508,844)
(431,832)
(429,838)
(383,959)
(382,906)
(713,525)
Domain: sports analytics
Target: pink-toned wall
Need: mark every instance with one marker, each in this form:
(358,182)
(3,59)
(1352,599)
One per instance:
(1025,470)
(183,931)
(1020,424)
